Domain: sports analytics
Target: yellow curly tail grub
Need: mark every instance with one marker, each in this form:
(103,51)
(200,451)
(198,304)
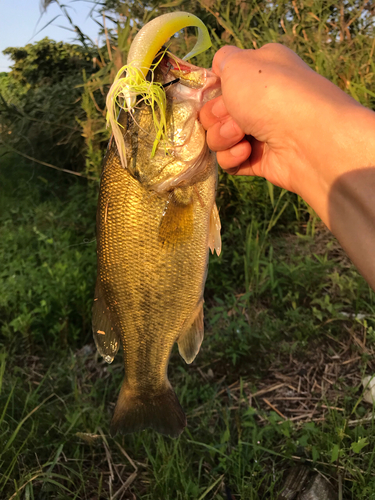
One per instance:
(154,34)
(143,50)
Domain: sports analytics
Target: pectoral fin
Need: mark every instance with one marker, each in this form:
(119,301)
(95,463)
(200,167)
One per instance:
(106,336)
(177,223)
(214,238)
(191,339)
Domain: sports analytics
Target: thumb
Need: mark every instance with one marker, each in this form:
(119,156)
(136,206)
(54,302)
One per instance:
(221,58)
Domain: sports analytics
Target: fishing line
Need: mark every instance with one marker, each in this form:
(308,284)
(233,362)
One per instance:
(165,85)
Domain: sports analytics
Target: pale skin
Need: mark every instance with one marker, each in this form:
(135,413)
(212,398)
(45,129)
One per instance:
(280,120)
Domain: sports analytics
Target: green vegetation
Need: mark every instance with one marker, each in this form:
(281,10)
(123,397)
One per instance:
(40,104)
(290,325)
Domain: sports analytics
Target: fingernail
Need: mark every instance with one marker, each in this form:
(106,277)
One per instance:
(218,109)
(229,130)
(238,150)
(232,171)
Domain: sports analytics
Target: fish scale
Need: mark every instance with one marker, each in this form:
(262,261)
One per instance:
(152,265)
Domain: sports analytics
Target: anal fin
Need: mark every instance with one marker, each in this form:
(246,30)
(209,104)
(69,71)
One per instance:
(189,342)
(106,336)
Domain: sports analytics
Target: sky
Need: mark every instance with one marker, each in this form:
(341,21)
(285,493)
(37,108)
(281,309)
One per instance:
(19,24)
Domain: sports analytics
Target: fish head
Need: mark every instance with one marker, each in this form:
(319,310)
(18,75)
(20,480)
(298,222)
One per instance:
(183,153)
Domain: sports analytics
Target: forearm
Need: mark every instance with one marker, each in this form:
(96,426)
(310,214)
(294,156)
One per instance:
(344,195)
(351,213)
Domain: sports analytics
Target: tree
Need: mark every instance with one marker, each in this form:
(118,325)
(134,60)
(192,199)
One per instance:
(41,101)
(47,62)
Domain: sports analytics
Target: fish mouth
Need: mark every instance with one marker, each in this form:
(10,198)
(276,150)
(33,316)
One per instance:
(173,71)
(188,74)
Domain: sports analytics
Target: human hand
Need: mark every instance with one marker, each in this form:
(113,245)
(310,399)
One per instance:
(279,119)
(276,117)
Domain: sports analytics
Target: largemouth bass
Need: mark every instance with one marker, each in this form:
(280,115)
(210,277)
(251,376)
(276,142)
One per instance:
(156,220)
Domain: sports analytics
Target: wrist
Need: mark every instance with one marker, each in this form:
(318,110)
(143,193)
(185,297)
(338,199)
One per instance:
(343,194)
(351,217)
(347,147)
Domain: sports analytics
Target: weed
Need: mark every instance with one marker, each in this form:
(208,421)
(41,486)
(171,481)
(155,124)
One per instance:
(289,322)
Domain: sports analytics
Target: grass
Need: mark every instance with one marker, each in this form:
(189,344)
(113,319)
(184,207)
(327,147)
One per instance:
(277,382)
(289,323)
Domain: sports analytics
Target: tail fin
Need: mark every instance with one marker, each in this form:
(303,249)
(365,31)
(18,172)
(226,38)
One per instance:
(136,411)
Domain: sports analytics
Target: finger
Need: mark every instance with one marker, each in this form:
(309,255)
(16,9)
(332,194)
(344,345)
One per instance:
(256,164)
(221,56)
(252,165)
(224,135)
(245,168)
(213,111)
(235,156)
(248,168)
